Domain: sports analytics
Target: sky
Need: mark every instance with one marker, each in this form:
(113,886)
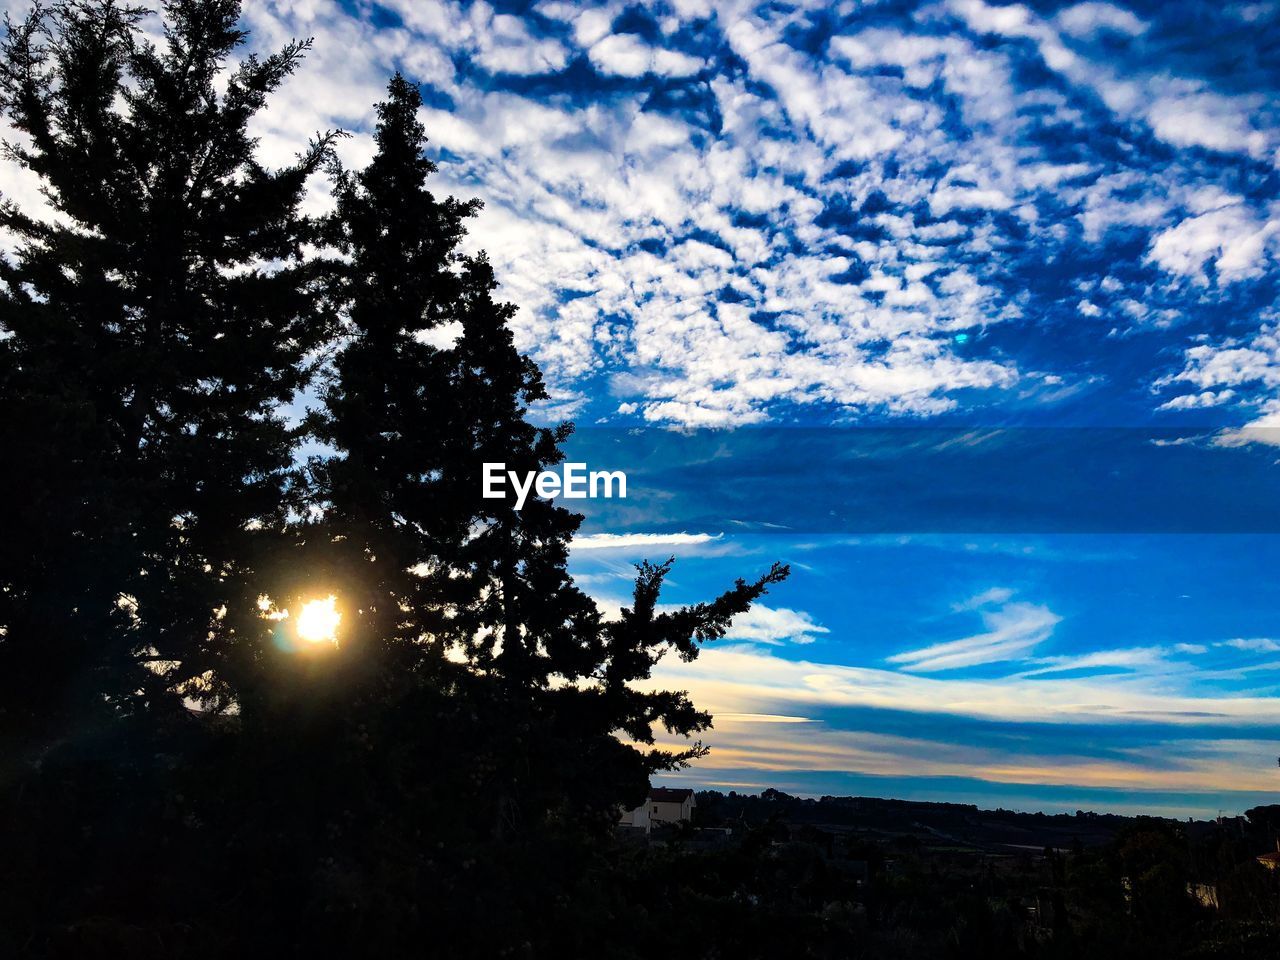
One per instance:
(1057,219)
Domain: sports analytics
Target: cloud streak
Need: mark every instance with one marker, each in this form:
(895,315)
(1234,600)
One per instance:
(743,680)
(632,541)
(1014,630)
(1181,754)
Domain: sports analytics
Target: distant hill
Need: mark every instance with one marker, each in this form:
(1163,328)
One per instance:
(912,823)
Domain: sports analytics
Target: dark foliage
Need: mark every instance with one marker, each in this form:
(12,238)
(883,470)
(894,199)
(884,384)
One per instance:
(183,777)
(156,323)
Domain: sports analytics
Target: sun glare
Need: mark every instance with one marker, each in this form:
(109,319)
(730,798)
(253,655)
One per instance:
(318,621)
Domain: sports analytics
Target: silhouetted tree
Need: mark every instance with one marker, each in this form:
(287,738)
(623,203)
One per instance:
(436,568)
(452,766)
(157,317)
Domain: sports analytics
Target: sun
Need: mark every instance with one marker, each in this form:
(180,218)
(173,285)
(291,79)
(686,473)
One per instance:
(318,621)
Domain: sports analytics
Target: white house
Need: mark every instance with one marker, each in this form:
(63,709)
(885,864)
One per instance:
(638,818)
(665,805)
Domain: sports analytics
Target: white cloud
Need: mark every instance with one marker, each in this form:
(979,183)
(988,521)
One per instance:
(751,680)
(1129,659)
(442,337)
(1179,110)
(1230,364)
(1233,237)
(993,595)
(775,625)
(626,55)
(1232,370)
(630,541)
(1198,401)
(731,718)
(1118,200)
(948,198)
(1010,20)
(592,25)
(1190,116)
(673,63)
(522,55)
(1087,19)
(1014,630)
(1254,644)
(622,54)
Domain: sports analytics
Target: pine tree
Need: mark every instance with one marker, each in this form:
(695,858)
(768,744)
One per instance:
(383,495)
(157,317)
(477,710)
(437,569)
(413,422)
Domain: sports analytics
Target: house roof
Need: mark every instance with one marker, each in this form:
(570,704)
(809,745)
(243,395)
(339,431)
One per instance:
(669,795)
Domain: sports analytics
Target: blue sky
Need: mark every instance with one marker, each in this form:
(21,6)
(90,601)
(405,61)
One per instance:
(1128,672)
(952,214)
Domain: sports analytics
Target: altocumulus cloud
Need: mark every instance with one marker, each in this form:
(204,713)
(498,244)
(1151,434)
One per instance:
(726,212)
